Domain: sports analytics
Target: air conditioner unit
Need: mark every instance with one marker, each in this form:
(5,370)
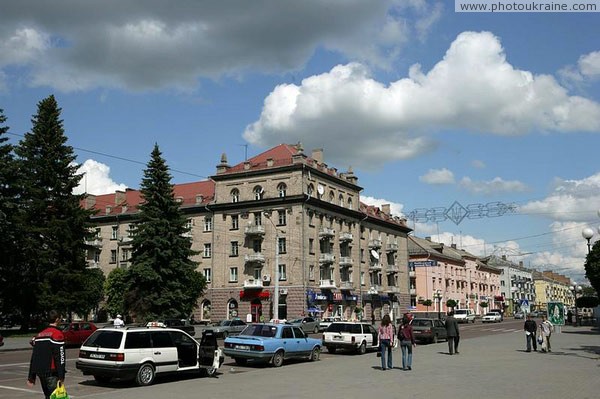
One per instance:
(283,291)
(266,278)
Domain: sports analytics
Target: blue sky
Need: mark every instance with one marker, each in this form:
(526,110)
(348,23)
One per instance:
(427,105)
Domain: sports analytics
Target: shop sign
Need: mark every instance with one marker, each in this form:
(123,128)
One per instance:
(422,263)
(350,297)
(320,297)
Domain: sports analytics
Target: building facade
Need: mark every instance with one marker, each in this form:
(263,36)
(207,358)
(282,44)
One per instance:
(516,284)
(280,227)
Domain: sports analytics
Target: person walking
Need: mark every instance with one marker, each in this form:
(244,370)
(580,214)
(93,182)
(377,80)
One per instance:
(530,328)
(452,333)
(546,329)
(386,341)
(407,342)
(48,357)
(118,322)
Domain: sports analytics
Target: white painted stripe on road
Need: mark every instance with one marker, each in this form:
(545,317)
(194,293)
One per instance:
(27,364)
(19,389)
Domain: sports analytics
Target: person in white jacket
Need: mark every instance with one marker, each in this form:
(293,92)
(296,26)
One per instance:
(118,322)
(546,329)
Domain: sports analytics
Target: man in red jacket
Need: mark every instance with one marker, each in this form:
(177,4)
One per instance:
(48,356)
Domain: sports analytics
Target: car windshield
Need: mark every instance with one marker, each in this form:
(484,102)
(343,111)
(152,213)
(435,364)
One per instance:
(105,339)
(344,328)
(260,330)
(491,314)
(460,311)
(296,321)
(225,323)
(63,326)
(421,323)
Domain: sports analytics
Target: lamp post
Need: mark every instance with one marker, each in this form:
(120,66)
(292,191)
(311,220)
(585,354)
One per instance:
(576,289)
(438,297)
(276,288)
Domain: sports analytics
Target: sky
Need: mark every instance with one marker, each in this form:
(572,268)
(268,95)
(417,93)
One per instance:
(430,107)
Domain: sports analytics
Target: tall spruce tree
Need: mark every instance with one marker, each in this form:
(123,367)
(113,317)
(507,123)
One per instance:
(54,273)
(592,267)
(162,280)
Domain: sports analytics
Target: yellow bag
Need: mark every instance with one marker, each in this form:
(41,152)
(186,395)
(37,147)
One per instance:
(60,392)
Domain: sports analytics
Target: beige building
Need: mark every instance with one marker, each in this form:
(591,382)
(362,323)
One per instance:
(335,254)
(552,287)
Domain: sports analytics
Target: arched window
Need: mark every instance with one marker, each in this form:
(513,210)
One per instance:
(331,197)
(310,190)
(281,189)
(232,309)
(349,203)
(341,198)
(206,308)
(235,195)
(258,193)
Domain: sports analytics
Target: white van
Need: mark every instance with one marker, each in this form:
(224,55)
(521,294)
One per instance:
(464,315)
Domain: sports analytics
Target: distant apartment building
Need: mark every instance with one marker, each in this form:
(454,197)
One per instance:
(281,214)
(517,285)
(552,287)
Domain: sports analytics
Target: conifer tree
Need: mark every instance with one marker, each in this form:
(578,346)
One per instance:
(54,273)
(592,267)
(162,280)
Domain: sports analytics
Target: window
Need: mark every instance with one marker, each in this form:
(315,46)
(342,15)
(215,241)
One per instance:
(208,223)
(258,193)
(309,190)
(207,275)
(207,251)
(233,274)
(97,256)
(281,218)
(256,273)
(124,255)
(281,245)
(113,256)
(287,333)
(281,189)
(97,233)
(349,203)
(331,197)
(235,222)
(138,340)
(341,200)
(311,272)
(311,245)
(188,225)
(256,246)
(310,219)
(282,274)
(114,233)
(234,248)
(362,278)
(235,195)
(258,219)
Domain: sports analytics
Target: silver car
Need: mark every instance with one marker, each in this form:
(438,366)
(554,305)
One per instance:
(228,327)
(307,324)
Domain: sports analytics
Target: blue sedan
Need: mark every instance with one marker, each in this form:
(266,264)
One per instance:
(269,342)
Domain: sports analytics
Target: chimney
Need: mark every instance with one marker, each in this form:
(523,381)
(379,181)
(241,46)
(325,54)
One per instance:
(246,165)
(223,165)
(120,197)
(90,201)
(317,155)
(428,238)
(350,176)
(385,208)
(270,162)
(453,246)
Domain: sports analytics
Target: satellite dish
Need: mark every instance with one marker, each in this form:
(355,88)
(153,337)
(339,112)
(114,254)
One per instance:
(320,189)
(374,254)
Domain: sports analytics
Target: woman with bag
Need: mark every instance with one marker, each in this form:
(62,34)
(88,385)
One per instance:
(407,342)
(386,341)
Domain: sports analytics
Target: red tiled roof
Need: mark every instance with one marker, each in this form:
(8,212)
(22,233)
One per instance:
(375,212)
(281,156)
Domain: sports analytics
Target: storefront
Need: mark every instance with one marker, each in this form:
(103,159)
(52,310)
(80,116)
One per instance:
(256,299)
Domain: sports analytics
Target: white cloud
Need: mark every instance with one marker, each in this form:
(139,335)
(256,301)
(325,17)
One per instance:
(589,64)
(121,45)
(97,179)
(438,176)
(369,123)
(395,207)
(494,186)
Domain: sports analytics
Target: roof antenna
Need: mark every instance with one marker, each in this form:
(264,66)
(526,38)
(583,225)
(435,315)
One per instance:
(245,151)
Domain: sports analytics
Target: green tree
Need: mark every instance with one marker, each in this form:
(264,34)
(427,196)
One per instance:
(54,274)
(483,304)
(587,302)
(451,303)
(592,267)
(114,287)
(162,280)
(428,303)
(94,293)
(586,290)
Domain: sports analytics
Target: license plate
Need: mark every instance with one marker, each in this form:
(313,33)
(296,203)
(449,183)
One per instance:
(338,338)
(416,332)
(96,356)
(243,347)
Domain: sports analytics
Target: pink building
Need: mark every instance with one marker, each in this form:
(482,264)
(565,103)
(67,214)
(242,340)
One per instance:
(439,273)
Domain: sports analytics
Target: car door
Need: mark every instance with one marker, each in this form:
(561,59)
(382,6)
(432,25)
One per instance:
(184,349)
(303,347)
(370,335)
(288,341)
(237,326)
(73,335)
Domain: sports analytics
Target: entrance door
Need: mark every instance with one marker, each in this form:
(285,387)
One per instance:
(256,310)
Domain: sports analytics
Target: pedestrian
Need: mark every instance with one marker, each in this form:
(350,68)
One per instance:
(530,328)
(407,342)
(546,329)
(386,341)
(118,322)
(452,333)
(569,317)
(48,356)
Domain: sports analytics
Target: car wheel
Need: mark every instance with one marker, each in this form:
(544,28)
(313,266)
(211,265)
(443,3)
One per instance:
(331,349)
(278,359)
(208,372)
(225,334)
(240,361)
(316,330)
(362,349)
(101,379)
(145,375)
(434,339)
(316,353)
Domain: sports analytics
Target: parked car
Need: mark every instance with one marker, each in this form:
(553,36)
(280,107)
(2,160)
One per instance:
(349,335)
(519,315)
(464,315)
(229,327)
(499,311)
(326,322)
(307,324)
(268,342)
(491,317)
(181,324)
(76,332)
(140,353)
(428,330)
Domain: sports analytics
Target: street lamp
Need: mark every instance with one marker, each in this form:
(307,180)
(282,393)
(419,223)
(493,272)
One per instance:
(576,289)
(438,297)
(276,289)
(588,233)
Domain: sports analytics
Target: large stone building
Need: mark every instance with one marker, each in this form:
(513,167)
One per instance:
(281,213)
(516,284)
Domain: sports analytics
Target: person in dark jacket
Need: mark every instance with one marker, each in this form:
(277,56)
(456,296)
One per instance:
(530,328)
(48,357)
(407,342)
(452,333)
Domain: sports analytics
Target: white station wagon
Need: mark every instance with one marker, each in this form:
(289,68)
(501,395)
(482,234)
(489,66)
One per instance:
(355,336)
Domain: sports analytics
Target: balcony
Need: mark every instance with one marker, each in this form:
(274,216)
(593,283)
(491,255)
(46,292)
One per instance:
(96,242)
(374,244)
(326,233)
(254,230)
(375,266)
(346,237)
(392,269)
(393,289)
(326,258)
(256,257)
(327,284)
(253,283)
(92,264)
(346,285)
(391,247)
(374,289)
(412,273)
(125,240)
(346,261)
